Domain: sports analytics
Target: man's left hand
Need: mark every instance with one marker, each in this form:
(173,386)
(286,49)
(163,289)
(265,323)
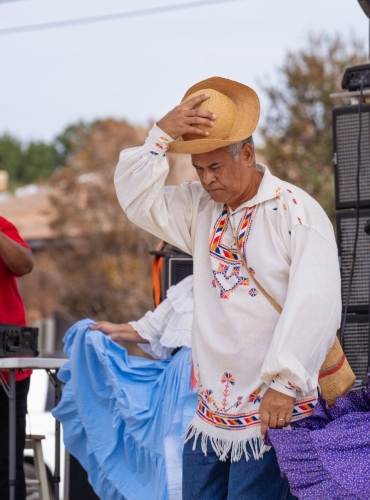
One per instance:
(276,410)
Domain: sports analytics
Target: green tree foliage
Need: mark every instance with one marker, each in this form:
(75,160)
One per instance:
(40,161)
(297,129)
(83,146)
(25,164)
(10,156)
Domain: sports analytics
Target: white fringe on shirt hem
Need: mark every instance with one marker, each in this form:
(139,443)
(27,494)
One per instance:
(222,448)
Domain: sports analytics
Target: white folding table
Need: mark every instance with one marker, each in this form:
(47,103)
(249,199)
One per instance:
(51,365)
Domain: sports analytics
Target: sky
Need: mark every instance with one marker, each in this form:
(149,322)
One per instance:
(139,68)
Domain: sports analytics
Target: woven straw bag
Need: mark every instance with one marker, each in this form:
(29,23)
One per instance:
(336,377)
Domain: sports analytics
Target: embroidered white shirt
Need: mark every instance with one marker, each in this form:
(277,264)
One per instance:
(241,345)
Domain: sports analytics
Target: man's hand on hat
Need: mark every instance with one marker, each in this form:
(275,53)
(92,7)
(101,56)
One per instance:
(276,410)
(183,119)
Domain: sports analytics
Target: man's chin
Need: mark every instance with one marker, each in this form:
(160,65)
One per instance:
(218,195)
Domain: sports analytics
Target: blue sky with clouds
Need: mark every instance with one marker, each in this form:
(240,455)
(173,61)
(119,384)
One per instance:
(138,68)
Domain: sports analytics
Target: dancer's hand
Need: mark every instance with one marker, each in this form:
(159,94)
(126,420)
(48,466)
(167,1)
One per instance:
(276,410)
(183,119)
(120,333)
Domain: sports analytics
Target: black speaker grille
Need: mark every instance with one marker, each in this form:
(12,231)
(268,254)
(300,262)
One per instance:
(356,345)
(346,223)
(176,267)
(180,269)
(346,128)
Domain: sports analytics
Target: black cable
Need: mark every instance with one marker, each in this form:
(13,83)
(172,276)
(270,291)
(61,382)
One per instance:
(354,253)
(110,17)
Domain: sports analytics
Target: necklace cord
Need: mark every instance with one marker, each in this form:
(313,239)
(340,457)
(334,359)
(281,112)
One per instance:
(245,265)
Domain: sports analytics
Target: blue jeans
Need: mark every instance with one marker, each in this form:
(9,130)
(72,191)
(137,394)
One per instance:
(207,478)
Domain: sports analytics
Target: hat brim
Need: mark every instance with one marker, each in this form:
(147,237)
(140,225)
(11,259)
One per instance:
(248,113)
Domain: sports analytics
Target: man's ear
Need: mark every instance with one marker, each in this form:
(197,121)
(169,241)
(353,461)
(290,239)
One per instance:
(247,155)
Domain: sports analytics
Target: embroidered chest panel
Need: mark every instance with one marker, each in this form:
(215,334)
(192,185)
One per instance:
(225,259)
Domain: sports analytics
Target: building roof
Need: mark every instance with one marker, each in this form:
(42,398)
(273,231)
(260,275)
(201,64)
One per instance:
(29,209)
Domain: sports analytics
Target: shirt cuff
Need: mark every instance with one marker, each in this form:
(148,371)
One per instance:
(157,142)
(283,385)
(142,328)
(154,348)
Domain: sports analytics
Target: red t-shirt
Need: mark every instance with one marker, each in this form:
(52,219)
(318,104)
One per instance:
(11,305)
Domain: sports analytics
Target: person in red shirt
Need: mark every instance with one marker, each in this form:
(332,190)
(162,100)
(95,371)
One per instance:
(15,261)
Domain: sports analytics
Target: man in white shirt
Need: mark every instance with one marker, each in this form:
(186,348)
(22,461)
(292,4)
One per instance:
(252,237)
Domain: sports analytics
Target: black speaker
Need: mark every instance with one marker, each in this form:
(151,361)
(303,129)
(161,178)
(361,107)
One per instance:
(356,345)
(18,340)
(171,265)
(176,267)
(346,226)
(356,77)
(355,330)
(345,137)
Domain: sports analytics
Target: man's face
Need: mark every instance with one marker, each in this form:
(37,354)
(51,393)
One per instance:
(226,180)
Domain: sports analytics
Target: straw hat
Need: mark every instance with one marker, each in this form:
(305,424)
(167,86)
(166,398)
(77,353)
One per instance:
(237,108)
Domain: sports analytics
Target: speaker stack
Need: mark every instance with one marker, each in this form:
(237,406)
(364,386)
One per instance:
(355,328)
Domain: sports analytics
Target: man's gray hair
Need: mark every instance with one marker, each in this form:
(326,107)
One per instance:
(236,148)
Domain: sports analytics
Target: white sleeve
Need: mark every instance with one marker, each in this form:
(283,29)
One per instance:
(168,212)
(311,316)
(170,324)
(150,327)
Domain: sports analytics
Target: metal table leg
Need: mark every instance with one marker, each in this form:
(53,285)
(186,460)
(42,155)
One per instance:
(12,434)
(11,393)
(57,392)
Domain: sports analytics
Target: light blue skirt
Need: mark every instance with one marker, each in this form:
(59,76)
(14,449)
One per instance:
(124,417)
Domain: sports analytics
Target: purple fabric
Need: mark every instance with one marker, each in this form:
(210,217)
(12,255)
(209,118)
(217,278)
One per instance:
(327,456)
